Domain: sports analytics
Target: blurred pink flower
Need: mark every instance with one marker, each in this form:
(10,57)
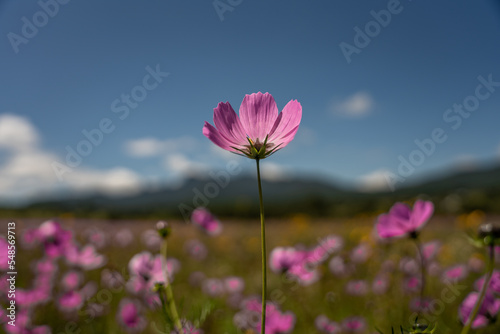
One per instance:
(327,246)
(402,220)
(354,325)
(151,239)
(124,237)
(234,284)
(487,311)
(205,220)
(146,270)
(71,280)
(295,263)
(284,258)
(357,288)
(455,273)
(70,301)
(324,325)
(86,258)
(96,237)
(112,279)
(430,249)
(24,325)
(417,305)
(54,238)
(361,253)
(259,131)
(339,268)
(409,265)
(411,284)
(476,264)
(212,287)
(196,249)
(129,316)
(494,286)
(380,284)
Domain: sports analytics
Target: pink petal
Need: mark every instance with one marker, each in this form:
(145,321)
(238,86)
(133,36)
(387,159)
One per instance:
(387,227)
(401,211)
(422,211)
(258,113)
(229,125)
(287,123)
(214,135)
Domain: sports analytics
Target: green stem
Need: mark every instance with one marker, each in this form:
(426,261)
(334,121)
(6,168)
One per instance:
(479,302)
(168,291)
(422,271)
(264,254)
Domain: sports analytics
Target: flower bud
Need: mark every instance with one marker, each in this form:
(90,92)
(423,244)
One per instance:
(163,229)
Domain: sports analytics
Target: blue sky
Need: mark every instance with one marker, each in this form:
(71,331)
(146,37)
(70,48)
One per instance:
(359,117)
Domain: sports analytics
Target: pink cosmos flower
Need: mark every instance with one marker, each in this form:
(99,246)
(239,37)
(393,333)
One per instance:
(487,311)
(402,220)
(70,301)
(494,286)
(112,279)
(234,284)
(202,218)
(276,321)
(361,253)
(380,284)
(339,268)
(354,325)
(151,239)
(430,249)
(23,324)
(86,258)
(455,273)
(54,238)
(475,264)
(326,247)
(71,280)
(411,284)
(357,288)
(324,325)
(196,249)
(124,237)
(295,263)
(96,237)
(259,131)
(418,305)
(146,270)
(409,265)
(129,316)
(213,287)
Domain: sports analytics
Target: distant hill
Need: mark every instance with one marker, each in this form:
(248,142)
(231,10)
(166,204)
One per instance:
(452,193)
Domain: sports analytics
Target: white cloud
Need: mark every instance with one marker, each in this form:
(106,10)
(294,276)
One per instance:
(148,147)
(116,181)
(357,105)
(27,170)
(466,162)
(271,171)
(374,181)
(17,133)
(180,164)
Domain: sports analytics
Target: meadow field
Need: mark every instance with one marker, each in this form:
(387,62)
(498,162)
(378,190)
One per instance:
(360,284)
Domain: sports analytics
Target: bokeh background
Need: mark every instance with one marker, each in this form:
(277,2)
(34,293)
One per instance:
(102,106)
